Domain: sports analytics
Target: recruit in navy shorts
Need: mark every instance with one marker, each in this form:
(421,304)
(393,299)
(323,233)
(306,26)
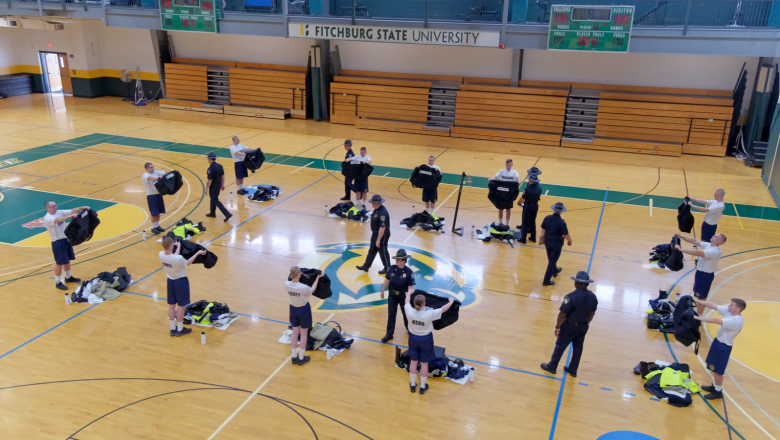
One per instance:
(63,251)
(360,185)
(241,171)
(718,357)
(300,316)
(430,195)
(702,281)
(421,348)
(708,231)
(156,204)
(179,291)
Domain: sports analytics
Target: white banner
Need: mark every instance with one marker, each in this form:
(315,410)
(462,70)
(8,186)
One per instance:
(395,35)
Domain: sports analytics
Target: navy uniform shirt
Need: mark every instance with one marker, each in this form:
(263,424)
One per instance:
(349,154)
(400,279)
(554,230)
(579,305)
(380,218)
(215,173)
(532,194)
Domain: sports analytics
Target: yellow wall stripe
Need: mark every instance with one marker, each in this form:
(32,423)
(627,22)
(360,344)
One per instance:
(77,73)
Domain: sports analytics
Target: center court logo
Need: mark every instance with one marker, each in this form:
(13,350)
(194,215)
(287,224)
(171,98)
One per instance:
(357,290)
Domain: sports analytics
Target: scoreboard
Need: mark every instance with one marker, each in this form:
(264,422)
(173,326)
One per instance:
(590,28)
(189,15)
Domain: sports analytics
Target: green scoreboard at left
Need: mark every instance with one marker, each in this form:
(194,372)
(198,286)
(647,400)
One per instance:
(590,28)
(189,15)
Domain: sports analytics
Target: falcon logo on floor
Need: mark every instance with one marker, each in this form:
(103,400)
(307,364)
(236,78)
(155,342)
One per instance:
(356,290)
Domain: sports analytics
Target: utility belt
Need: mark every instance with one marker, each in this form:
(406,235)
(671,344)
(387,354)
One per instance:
(397,292)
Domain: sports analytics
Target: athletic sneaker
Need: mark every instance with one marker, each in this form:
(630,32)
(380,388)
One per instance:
(304,360)
(158,230)
(72,279)
(295,360)
(714,395)
(413,388)
(708,388)
(173,332)
(61,286)
(241,192)
(183,331)
(423,389)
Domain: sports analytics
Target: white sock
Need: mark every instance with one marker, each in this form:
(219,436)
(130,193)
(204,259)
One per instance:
(301,353)
(422,381)
(173,324)
(155,224)
(413,377)
(67,274)
(58,279)
(240,185)
(295,353)
(179,325)
(718,388)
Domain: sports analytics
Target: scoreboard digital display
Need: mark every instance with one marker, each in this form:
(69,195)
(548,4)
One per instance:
(189,15)
(590,28)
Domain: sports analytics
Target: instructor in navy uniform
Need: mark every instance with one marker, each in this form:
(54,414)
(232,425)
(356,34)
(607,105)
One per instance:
(575,315)
(380,236)
(530,204)
(347,181)
(554,230)
(216,184)
(400,278)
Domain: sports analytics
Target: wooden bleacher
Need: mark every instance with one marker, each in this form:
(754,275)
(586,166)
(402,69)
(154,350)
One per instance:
(695,124)
(369,101)
(273,90)
(186,82)
(512,114)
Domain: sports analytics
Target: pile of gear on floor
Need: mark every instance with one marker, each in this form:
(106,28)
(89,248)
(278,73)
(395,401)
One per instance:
(350,211)
(105,286)
(261,193)
(496,231)
(668,316)
(427,221)
(323,336)
(209,314)
(670,382)
(442,366)
(185,229)
(666,256)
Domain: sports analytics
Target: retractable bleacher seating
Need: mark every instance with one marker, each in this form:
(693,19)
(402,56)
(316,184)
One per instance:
(186,87)
(267,90)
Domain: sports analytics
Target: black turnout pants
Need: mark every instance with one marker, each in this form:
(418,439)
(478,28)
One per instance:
(215,203)
(347,190)
(384,254)
(395,300)
(570,334)
(529,221)
(553,253)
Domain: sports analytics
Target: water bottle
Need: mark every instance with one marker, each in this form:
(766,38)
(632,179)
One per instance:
(473,231)
(326,210)
(143,234)
(329,353)
(412,209)
(231,196)
(203,338)
(471,375)
(67,299)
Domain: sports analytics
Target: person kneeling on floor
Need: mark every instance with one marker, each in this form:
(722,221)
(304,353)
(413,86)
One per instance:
(421,337)
(300,313)
(178,284)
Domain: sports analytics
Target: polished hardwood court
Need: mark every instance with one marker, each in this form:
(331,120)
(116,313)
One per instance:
(111,370)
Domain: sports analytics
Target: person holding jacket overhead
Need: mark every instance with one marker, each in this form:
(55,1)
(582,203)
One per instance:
(421,337)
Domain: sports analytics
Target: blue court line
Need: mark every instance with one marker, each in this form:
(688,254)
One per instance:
(47,331)
(653,398)
(568,358)
(435,233)
(22,174)
(560,397)
(583,384)
(606,389)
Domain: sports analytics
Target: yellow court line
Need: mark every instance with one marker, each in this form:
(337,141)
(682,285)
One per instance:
(732,200)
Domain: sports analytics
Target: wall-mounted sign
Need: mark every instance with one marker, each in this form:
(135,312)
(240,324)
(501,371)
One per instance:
(385,34)
(189,15)
(590,28)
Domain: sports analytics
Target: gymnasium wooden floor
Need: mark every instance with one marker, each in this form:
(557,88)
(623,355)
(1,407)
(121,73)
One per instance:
(110,371)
